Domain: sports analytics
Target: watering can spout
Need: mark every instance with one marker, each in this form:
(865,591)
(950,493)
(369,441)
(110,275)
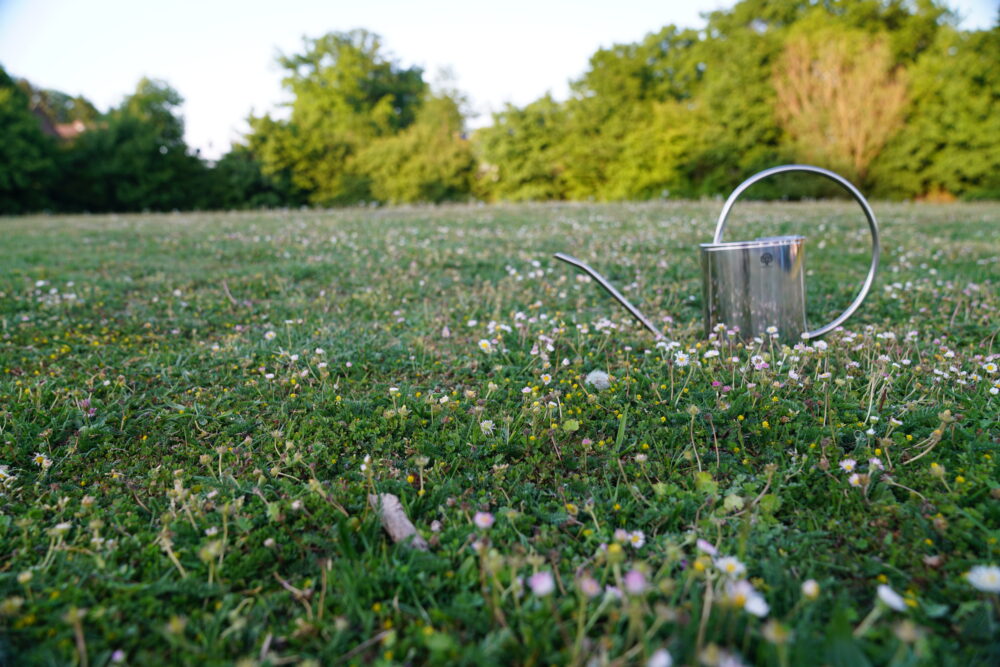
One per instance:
(610,289)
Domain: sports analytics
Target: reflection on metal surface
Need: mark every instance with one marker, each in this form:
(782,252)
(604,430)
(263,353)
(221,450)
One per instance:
(754,286)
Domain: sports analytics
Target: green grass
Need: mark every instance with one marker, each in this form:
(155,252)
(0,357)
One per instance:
(203,499)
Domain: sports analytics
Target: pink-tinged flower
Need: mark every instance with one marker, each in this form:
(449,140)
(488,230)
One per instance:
(848,465)
(875,463)
(635,582)
(854,480)
(706,546)
(542,583)
(483,520)
(621,535)
(660,658)
(588,586)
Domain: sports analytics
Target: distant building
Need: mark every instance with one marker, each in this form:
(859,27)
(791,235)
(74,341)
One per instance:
(60,131)
(67,131)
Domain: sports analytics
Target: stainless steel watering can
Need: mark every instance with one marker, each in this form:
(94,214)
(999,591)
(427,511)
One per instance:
(756,287)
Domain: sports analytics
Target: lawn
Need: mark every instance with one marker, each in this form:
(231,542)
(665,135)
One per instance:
(194,409)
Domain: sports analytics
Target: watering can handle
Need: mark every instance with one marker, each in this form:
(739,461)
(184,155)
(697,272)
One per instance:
(858,197)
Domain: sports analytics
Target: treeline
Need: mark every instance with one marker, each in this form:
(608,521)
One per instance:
(890,93)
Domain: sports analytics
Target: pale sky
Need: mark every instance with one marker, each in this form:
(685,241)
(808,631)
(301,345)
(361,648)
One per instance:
(220,54)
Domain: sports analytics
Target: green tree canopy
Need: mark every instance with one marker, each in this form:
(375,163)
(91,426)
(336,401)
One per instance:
(135,159)
(949,143)
(346,94)
(429,161)
(522,153)
(27,156)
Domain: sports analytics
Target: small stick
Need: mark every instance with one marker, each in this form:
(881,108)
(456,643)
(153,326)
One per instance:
(229,295)
(395,521)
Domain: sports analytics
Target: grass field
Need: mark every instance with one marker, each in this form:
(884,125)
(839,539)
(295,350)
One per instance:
(194,409)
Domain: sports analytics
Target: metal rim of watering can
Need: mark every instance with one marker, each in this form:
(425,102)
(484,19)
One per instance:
(858,197)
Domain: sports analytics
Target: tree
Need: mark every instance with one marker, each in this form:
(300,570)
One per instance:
(520,153)
(346,94)
(135,158)
(429,161)
(617,100)
(656,154)
(949,144)
(840,97)
(238,182)
(27,161)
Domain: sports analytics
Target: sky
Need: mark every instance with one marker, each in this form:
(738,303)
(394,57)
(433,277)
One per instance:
(220,54)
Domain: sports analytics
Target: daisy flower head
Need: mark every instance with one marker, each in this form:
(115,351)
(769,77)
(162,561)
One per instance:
(60,528)
(42,460)
(810,589)
(848,465)
(546,378)
(588,586)
(487,426)
(270,335)
(483,520)
(743,595)
(990,367)
(984,578)
(730,566)
(542,583)
(637,539)
(707,547)
(635,582)
(660,658)
(854,480)
(891,598)
(486,346)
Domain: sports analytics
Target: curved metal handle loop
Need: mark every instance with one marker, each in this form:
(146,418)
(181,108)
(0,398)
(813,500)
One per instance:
(858,197)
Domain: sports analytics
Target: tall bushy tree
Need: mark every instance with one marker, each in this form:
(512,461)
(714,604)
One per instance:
(237,181)
(27,156)
(950,142)
(626,91)
(429,161)
(346,94)
(840,97)
(522,153)
(135,158)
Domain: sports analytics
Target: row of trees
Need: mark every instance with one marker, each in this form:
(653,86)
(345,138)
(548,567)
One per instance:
(887,92)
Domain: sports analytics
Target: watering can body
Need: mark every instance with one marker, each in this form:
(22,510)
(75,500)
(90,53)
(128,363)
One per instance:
(752,286)
(757,287)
